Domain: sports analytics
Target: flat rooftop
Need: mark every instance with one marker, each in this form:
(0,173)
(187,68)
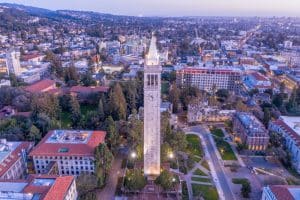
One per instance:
(69,143)
(292,122)
(6,148)
(251,123)
(69,137)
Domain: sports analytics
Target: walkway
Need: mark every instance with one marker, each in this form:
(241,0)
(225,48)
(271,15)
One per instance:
(108,192)
(214,159)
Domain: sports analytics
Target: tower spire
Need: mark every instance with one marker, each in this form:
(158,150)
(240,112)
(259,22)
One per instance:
(152,57)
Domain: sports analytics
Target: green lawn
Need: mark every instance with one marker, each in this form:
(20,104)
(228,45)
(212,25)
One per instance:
(85,108)
(206,180)
(66,116)
(239,180)
(217,132)
(194,145)
(66,120)
(225,149)
(206,191)
(185,193)
(199,172)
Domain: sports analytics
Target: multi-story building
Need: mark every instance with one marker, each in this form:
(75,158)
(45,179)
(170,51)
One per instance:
(209,78)
(202,112)
(73,150)
(250,131)
(289,128)
(41,187)
(13,62)
(258,81)
(13,159)
(281,192)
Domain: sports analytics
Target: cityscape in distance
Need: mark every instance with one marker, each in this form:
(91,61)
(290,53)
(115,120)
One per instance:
(150,100)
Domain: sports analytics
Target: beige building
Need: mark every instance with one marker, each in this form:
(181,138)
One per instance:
(152,101)
(250,131)
(13,158)
(72,150)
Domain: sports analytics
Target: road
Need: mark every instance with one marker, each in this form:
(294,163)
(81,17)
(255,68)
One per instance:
(108,192)
(222,181)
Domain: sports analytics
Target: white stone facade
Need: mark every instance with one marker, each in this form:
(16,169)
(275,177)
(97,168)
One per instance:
(152,100)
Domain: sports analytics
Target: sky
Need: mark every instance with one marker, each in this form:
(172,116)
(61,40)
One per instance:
(174,7)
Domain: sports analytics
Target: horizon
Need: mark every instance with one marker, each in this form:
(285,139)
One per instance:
(169,8)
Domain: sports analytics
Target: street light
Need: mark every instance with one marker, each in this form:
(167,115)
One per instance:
(173,179)
(133,155)
(171,155)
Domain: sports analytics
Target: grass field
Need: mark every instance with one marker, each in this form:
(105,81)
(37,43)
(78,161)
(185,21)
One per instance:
(239,180)
(194,145)
(225,149)
(206,180)
(206,191)
(199,172)
(217,132)
(66,122)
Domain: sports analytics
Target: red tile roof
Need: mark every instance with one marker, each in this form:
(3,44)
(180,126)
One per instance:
(259,77)
(14,156)
(60,188)
(74,149)
(41,86)
(91,89)
(288,130)
(281,192)
(56,191)
(31,56)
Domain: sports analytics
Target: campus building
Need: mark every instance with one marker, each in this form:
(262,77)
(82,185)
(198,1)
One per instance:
(209,78)
(72,150)
(13,158)
(250,131)
(289,128)
(281,192)
(40,187)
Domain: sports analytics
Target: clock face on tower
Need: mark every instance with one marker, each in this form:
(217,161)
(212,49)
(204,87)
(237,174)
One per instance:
(150,97)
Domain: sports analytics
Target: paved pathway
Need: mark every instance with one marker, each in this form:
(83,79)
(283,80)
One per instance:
(108,192)
(214,160)
(233,147)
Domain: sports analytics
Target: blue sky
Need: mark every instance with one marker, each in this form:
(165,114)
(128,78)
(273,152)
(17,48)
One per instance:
(175,7)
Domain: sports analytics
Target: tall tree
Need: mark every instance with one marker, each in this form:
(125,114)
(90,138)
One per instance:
(112,134)
(101,112)
(103,163)
(75,112)
(118,106)
(174,97)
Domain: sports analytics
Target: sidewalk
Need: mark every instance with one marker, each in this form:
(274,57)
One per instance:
(233,147)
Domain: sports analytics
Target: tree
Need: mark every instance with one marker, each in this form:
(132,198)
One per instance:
(117,101)
(267,116)
(246,189)
(86,183)
(112,136)
(92,121)
(135,180)
(174,97)
(45,103)
(166,180)
(103,163)
(34,134)
(278,100)
(87,79)
(135,132)
(71,76)
(223,94)
(75,112)
(101,112)
(177,140)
